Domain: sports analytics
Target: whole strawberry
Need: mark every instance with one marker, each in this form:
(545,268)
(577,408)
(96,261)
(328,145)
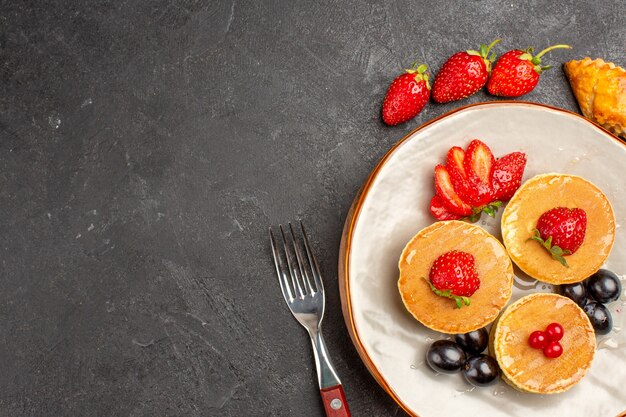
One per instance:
(463,74)
(407,95)
(517,72)
(453,275)
(561,231)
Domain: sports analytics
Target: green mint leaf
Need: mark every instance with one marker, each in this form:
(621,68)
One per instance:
(448,294)
(560,259)
(555,251)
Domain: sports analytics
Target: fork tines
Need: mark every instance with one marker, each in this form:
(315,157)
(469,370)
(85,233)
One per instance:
(296,267)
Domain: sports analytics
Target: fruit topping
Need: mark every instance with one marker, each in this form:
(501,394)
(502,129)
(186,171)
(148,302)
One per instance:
(507,175)
(439,211)
(473,182)
(453,275)
(554,331)
(548,340)
(445,356)
(538,339)
(599,316)
(478,163)
(604,286)
(575,292)
(458,175)
(474,342)
(450,199)
(407,95)
(481,370)
(517,72)
(553,350)
(463,74)
(561,231)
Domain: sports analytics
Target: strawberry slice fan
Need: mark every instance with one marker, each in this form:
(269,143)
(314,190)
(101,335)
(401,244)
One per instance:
(473,182)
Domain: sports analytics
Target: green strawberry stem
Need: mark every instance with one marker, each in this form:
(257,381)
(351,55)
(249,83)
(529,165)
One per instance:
(556,252)
(420,72)
(483,51)
(459,300)
(536,60)
(491,209)
(491,45)
(550,48)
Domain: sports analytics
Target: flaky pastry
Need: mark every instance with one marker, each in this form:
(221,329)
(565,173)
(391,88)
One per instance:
(600,89)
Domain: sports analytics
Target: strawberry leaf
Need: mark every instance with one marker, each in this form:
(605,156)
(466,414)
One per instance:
(555,251)
(491,209)
(459,300)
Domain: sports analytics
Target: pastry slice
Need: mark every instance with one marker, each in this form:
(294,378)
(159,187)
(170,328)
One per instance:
(530,370)
(492,266)
(600,89)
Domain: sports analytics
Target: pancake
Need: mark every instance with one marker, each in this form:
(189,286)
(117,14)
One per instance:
(526,368)
(540,194)
(493,266)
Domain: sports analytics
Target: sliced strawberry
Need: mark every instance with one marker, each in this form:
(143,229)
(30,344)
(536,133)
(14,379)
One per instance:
(439,211)
(449,197)
(507,175)
(461,185)
(455,158)
(478,164)
(454,165)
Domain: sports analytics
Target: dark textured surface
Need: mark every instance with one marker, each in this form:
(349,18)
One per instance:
(145,147)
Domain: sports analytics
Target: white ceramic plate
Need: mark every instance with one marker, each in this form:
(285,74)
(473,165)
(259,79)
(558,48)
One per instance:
(394,205)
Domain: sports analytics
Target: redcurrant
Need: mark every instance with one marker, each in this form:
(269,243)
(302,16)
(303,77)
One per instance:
(553,350)
(554,331)
(538,339)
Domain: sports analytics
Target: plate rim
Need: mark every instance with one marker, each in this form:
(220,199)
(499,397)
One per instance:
(352,216)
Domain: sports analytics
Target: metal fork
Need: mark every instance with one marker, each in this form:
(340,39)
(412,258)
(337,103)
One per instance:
(301,283)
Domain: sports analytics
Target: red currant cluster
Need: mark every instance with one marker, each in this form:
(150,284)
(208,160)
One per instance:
(548,340)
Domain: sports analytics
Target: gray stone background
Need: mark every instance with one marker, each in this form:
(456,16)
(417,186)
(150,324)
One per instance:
(145,147)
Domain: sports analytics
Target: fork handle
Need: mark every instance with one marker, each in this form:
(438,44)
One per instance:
(335,403)
(333,397)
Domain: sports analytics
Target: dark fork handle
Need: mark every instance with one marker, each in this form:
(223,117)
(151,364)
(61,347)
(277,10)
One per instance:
(335,403)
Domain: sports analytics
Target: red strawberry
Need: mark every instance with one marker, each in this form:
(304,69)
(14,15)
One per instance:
(458,176)
(561,231)
(450,199)
(473,182)
(517,72)
(455,158)
(439,211)
(463,74)
(453,275)
(407,96)
(507,175)
(478,163)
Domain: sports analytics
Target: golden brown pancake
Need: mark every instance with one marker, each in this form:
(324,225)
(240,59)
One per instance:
(540,194)
(528,369)
(493,266)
